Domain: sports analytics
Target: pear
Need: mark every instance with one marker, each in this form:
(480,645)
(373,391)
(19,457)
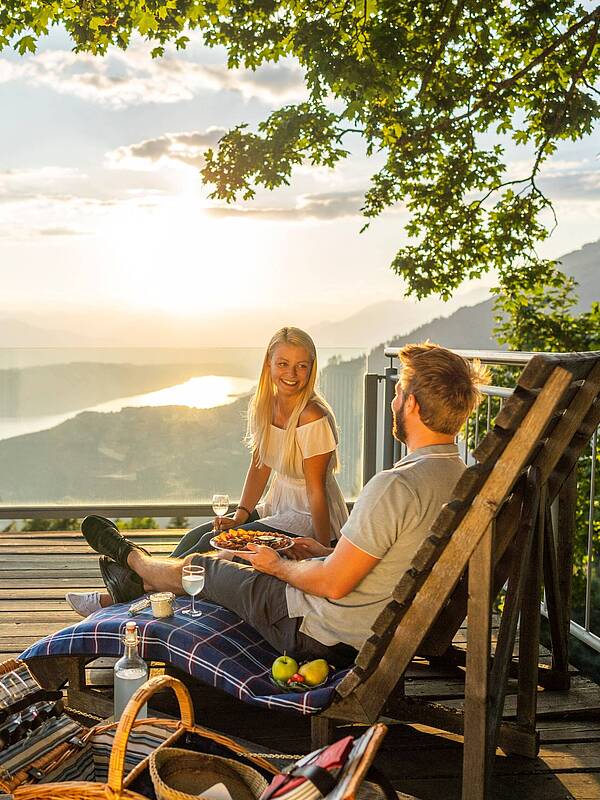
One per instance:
(315,672)
(283,668)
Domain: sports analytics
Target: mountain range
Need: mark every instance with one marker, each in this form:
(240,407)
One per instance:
(469,326)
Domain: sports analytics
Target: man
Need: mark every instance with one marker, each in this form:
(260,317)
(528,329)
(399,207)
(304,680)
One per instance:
(324,605)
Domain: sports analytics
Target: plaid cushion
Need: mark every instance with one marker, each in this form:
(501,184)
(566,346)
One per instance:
(218,648)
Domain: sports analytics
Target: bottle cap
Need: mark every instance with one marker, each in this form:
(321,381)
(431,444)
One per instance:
(131,632)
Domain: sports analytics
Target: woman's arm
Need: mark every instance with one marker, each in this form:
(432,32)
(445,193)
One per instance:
(254,486)
(315,474)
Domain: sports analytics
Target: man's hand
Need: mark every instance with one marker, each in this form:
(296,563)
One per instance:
(307,547)
(262,558)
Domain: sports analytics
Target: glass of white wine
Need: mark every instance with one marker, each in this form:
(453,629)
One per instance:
(192,581)
(220,505)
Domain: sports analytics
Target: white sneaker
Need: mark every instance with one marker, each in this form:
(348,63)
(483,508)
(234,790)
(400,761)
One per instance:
(84,603)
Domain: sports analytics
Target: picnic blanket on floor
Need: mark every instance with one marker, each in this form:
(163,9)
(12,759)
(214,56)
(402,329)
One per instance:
(218,648)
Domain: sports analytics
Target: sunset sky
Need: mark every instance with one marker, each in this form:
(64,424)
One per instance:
(102,208)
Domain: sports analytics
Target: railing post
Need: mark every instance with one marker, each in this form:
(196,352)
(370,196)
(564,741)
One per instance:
(370,427)
(565,539)
(388,439)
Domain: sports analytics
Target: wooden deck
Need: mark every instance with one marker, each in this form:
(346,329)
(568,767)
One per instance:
(36,569)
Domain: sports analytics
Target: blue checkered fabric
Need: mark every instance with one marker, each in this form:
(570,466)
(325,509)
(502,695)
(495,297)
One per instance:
(218,648)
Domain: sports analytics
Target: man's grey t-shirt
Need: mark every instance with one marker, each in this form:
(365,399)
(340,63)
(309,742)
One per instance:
(391,518)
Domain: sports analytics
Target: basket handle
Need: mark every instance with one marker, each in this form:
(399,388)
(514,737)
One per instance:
(116,766)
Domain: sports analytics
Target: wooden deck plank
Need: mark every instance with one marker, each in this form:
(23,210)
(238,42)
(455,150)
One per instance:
(36,569)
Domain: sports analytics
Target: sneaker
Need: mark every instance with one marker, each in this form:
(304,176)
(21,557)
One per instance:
(84,603)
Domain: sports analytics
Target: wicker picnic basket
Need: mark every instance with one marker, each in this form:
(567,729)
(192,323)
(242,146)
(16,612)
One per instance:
(116,786)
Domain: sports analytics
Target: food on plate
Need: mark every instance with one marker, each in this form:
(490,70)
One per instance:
(235,539)
(296,678)
(283,668)
(315,672)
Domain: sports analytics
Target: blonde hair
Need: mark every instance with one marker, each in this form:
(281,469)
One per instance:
(444,384)
(261,406)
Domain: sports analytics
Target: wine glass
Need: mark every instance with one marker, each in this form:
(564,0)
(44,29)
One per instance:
(220,505)
(192,581)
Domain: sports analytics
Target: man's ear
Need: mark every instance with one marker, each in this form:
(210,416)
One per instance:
(410,404)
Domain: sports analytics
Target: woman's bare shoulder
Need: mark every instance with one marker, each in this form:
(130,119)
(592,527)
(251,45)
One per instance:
(311,413)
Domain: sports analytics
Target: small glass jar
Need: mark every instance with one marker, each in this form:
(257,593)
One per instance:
(163,604)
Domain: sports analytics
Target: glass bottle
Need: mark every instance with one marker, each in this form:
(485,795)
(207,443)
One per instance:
(131,672)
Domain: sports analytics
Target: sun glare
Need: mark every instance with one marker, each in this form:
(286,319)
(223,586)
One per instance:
(179,260)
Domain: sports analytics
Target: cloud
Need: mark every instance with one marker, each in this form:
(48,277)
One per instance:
(62,231)
(133,77)
(578,186)
(323,206)
(185,148)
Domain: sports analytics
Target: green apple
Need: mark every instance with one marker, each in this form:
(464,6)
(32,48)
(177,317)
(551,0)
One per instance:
(315,672)
(283,668)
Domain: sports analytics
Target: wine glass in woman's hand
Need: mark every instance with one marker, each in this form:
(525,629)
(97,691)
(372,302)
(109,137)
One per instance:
(220,505)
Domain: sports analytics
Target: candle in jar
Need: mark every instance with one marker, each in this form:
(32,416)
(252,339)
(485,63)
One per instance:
(162,604)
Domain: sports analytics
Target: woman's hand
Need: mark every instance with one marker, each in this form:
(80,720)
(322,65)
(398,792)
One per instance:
(307,547)
(225,523)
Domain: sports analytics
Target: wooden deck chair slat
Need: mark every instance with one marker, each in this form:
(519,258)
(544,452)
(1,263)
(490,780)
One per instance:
(568,425)
(442,632)
(476,760)
(539,367)
(448,518)
(529,625)
(558,634)
(512,414)
(471,482)
(441,581)
(492,445)
(569,458)
(513,600)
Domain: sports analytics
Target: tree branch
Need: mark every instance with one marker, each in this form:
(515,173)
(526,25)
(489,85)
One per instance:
(593,16)
(457,11)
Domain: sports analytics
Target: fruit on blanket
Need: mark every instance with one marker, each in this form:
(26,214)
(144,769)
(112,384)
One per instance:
(296,678)
(283,668)
(315,672)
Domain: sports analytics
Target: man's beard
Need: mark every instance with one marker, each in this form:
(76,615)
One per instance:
(398,427)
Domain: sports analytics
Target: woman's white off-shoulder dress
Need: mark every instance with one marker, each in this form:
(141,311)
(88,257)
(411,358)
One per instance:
(286,505)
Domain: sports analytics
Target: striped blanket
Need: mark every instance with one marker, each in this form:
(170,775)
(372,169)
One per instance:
(218,648)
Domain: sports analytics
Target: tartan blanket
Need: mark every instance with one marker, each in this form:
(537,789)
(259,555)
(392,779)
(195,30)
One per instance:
(218,648)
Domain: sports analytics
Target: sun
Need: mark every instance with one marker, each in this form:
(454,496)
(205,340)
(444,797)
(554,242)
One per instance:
(177,259)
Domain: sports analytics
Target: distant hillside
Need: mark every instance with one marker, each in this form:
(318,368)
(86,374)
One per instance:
(15,333)
(55,389)
(471,328)
(135,455)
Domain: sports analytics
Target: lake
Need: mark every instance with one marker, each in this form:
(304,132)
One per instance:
(206,391)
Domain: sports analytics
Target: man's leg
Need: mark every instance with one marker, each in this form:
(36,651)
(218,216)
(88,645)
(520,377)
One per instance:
(257,598)
(158,574)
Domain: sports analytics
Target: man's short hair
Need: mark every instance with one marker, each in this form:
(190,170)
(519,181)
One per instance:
(444,384)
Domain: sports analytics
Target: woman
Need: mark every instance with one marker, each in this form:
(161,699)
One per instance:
(292,434)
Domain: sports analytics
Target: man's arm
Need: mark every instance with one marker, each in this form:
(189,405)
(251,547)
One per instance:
(334,577)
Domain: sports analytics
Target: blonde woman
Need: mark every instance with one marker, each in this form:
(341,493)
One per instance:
(292,435)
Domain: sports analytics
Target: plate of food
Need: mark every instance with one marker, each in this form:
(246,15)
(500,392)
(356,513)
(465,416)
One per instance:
(235,540)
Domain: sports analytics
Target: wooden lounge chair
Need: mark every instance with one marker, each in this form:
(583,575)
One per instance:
(497,528)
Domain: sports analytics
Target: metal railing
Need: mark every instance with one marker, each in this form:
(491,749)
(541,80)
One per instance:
(381,450)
